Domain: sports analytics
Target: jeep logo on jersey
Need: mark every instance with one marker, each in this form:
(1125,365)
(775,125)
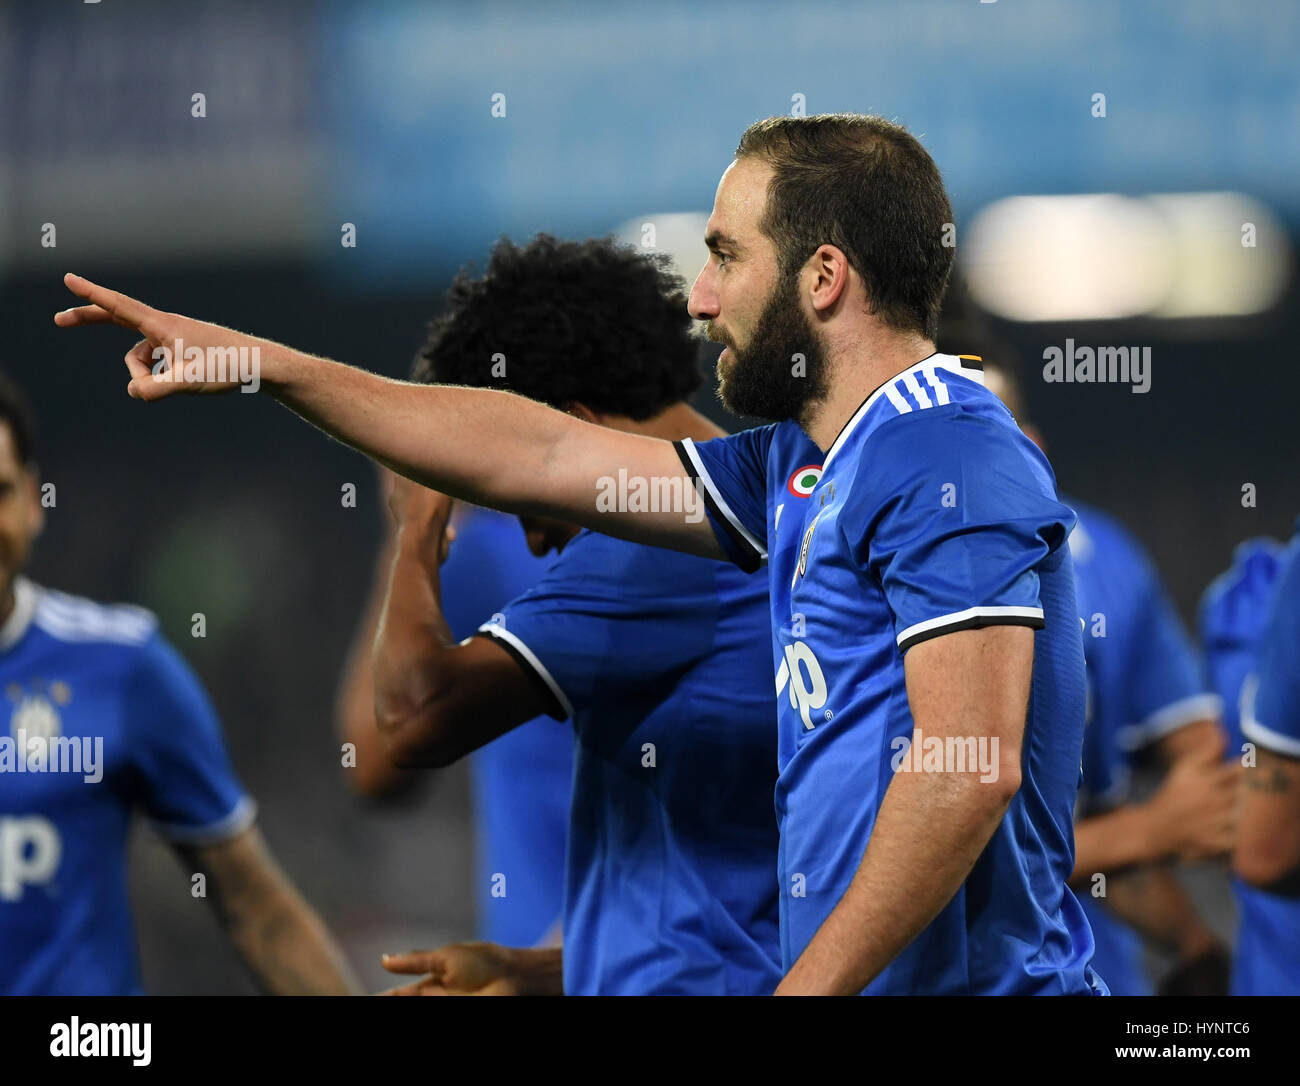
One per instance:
(29,854)
(804,696)
(803,481)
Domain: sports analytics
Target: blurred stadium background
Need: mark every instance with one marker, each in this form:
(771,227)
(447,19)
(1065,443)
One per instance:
(616,115)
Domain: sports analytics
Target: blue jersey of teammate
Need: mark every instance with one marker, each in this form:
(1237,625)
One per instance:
(520,781)
(931,512)
(84,677)
(1250,630)
(1143,683)
(661,662)
(1232,616)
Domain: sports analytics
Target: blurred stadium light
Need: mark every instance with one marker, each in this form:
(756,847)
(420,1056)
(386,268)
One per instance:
(679,235)
(1045,258)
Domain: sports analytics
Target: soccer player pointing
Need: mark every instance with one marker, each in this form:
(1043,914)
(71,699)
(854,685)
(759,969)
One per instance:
(928,656)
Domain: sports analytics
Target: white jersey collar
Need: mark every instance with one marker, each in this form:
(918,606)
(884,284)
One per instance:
(950,362)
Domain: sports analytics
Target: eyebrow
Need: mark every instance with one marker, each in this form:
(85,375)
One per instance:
(716,239)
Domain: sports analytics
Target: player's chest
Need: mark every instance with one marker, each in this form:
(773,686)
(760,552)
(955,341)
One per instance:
(62,739)
(813,571)
(832,630)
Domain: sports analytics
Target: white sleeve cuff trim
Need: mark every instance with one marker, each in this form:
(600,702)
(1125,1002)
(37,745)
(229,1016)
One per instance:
(243,815)
(1168,720)
(714,493)
(495,629)
(1269,739)
(959,617)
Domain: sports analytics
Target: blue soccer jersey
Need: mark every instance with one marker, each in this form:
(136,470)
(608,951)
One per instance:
(123,724)
(1231,620)
(661,662)
(520,781)
(1250,625)
(930,513)
(1144,683)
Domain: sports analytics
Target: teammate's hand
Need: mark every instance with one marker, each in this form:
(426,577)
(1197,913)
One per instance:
(458,969)
(1195,810)
(424,513)
(155,370)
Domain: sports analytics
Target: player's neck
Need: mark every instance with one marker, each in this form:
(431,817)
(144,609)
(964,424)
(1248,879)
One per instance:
(855,373)
(7,602)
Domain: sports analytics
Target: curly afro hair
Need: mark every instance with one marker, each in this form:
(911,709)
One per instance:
(16,410)
(587,322)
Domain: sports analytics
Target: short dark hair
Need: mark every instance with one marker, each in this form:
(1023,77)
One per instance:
(868,187)
(16,410)
(586,322)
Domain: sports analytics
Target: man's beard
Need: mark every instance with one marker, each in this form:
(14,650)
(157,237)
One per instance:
(768,381)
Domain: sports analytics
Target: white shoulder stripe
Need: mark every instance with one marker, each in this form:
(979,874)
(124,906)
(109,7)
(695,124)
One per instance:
(70,618)
(896,398)
(928,366)
(940,389)
(909,379)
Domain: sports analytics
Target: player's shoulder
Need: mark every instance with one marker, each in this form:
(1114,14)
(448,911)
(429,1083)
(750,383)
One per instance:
(1235,604)
(78,620)
(914,412)
(745,454)
(627,567)
(937,421)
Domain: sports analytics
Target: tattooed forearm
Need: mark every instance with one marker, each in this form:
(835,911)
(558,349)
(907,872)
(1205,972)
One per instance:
(280,937)
(1270,779)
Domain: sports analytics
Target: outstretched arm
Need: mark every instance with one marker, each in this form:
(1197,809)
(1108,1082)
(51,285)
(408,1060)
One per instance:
(483,445)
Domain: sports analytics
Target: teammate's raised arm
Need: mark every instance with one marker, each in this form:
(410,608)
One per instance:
(483,445)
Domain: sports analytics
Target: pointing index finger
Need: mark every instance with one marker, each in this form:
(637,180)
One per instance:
(121,307)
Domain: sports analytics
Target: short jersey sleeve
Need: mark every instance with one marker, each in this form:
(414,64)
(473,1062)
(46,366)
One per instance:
(1164,690)
(952,515)
(1231,621)
(1270,704)
(185,780)
(608,615)
(732,475)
